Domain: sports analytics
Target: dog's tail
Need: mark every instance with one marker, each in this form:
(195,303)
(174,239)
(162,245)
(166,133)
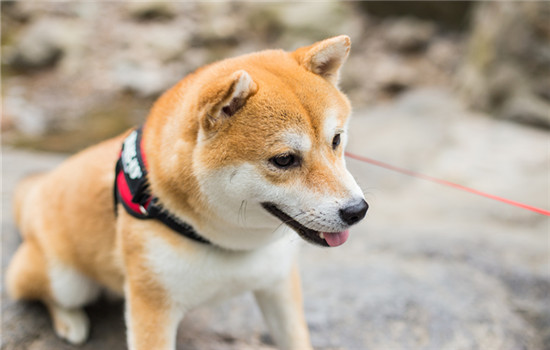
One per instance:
(21,197)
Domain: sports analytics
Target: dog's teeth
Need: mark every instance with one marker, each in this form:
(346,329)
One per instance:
(321,235)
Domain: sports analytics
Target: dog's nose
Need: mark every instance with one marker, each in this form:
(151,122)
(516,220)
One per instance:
(354,213)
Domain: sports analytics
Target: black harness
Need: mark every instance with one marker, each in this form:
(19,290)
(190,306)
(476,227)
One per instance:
(131,188)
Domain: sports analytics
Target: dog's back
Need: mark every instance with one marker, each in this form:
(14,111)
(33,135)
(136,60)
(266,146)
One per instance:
(21,197)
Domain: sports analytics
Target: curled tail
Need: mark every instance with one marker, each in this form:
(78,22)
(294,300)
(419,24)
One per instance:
(21,196)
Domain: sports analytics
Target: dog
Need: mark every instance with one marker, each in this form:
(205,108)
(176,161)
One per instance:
(201,203)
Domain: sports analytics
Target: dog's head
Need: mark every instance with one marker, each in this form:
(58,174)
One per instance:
(271,132)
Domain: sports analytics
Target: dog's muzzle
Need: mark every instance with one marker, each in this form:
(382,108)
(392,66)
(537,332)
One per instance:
(351,214)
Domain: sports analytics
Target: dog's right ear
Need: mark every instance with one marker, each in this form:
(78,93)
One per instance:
(226,97)
(326,57)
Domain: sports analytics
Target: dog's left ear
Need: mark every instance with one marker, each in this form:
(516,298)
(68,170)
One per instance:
(224,98)
(325,57)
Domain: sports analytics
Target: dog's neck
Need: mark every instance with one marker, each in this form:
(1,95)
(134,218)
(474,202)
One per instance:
(173,139)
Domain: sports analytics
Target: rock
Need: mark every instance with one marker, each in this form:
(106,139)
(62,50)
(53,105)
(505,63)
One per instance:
(507,62)
(24,116)
(43,43)
(408,35)
(451,15)
(444,53)
(151,10)
(392,76)
(301,23)
(321,19)
(158,44)
(221,33)
(139,78)
(37,48)
(527,108)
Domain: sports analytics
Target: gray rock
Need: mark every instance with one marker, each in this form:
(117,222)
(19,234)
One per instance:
(408,35)
(301,23)
(527,108)
(393,76)
(449,14)
(24,116)
(151,10)
(505,69)
(144,80)
(44,42)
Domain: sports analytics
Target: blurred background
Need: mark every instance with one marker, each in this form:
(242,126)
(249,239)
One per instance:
(77,72)
(459,90)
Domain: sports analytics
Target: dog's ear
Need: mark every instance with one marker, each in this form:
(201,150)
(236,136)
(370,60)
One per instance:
(225,97)
(325,57)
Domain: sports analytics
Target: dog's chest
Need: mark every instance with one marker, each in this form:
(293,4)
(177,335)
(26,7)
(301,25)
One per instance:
(209,274)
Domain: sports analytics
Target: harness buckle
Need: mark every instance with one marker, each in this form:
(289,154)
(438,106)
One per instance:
(143,210)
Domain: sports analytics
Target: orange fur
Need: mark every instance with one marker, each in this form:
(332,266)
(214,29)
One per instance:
(68,220)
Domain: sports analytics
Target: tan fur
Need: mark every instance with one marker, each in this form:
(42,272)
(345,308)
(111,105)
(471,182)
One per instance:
(68,220)
(68,215)
(28,264)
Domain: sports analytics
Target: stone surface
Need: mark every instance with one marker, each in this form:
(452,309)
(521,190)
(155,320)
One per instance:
(446,14)
(430,267)
(507,62)
(408,35)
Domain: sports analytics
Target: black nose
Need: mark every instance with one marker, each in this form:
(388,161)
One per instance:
(355,212)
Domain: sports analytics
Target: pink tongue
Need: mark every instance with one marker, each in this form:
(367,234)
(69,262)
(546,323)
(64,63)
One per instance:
(334,239)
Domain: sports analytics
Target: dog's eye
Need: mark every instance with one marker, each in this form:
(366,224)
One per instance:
(336,141)
(284,161)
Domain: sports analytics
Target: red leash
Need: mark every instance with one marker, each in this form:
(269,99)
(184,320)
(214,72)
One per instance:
(446,183)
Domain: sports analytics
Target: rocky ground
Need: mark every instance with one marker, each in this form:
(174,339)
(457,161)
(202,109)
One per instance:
(429,268)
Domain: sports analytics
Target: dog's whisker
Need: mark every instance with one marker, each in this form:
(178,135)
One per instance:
(242,212)
(278,226)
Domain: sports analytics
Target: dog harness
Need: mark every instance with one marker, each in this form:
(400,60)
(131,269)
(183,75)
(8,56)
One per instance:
(131,188)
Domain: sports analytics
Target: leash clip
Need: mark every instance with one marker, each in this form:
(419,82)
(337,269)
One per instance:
(143,210)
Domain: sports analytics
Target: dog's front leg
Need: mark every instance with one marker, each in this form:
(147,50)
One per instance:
(152,322)
(283,312)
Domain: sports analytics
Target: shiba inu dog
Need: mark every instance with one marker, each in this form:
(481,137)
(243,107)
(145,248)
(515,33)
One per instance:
(206,201)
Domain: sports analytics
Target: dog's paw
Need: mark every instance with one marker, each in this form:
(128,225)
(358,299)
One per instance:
(71,325)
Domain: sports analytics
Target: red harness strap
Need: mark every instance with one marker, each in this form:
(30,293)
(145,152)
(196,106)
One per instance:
(131,189)
(126,197)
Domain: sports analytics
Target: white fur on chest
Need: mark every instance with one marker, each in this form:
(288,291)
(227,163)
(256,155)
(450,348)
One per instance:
(209,274)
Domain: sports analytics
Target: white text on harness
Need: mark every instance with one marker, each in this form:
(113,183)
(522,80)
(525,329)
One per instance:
(130,162)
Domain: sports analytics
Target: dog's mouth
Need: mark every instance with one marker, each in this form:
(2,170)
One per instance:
(325,239)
